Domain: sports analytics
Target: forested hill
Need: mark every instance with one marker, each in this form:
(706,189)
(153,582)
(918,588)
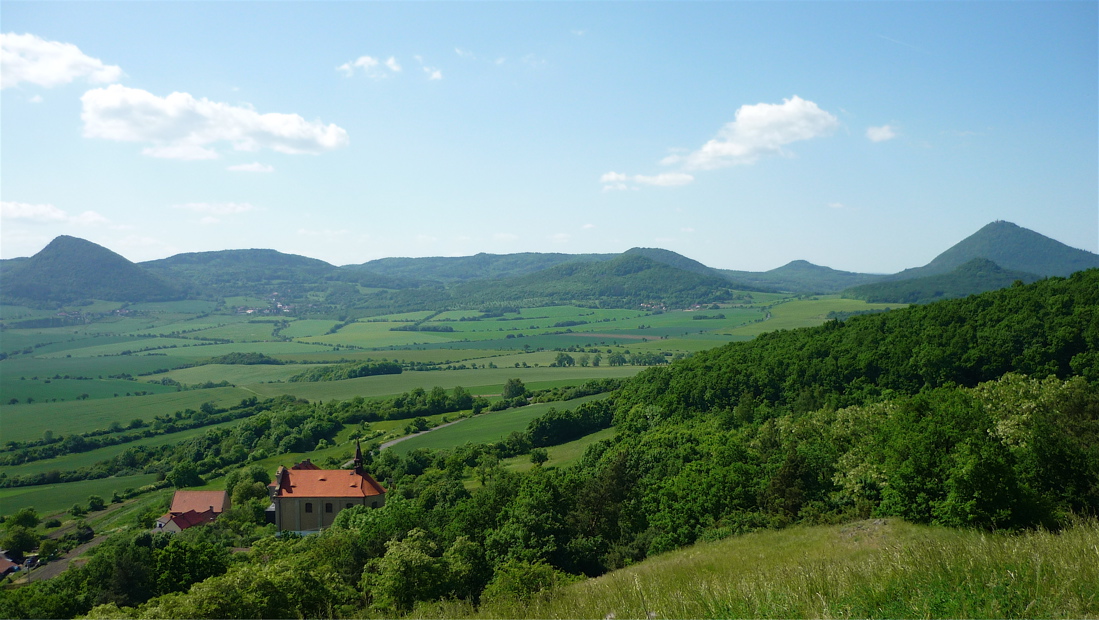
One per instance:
(1049,327)
(629,279)
(71,269)
(232,272)
(1012,247)
(801,276)
(465,268)
(976,276)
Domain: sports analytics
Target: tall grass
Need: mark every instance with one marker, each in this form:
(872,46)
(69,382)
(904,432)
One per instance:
(871,569)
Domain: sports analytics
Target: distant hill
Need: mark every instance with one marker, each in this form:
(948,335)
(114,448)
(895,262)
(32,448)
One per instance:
(1012,247)
(451,269)
(629,279)
(71,269)
(976,276)
(673,259)
(802,277)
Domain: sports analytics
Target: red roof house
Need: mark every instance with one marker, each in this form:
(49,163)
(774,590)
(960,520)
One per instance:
(191,508)
(308,499)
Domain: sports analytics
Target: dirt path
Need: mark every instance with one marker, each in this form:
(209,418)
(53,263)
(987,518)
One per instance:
(398,440)
(58,566)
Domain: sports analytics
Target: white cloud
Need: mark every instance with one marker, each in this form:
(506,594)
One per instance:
(619,181)
(836,205)
(253,167)
(370,66)
(27,58)
(209,219)
(216,208)
(182,127)
(35,99)
(433,73)
(32,212)
(665,179)
(881,134)
(588,226)
(762,129)
(464,53)
(687,230)
(46,213)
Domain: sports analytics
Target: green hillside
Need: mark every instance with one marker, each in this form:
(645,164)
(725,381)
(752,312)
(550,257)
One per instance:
(627,280)
(465,268)
(801,277)
(1011,247)
(976,276)
(71,269)
(240,271)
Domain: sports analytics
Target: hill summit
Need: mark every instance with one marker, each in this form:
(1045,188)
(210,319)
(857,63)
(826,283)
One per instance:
(1013,248)
(72,269)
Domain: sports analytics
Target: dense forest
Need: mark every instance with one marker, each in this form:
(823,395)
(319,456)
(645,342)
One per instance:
(980,412)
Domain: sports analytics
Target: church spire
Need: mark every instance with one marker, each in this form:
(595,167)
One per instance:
(358,462)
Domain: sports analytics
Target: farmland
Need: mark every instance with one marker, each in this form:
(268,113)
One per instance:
(138,361)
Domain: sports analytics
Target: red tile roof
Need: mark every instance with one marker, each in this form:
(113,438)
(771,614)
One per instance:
(199,501)
(192,518)
(325,483)
(7,566)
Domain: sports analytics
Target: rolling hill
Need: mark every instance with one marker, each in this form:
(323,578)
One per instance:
(1012,247)
(801,276)
(976,276)
(71,269)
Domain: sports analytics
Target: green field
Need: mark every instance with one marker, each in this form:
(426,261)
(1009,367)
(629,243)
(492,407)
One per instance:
(24,422)
(52,498)
(305,328)
(70,462)
(70,389)
(238,374)
(486,427)
(805,313)
(559,456)
(481,381)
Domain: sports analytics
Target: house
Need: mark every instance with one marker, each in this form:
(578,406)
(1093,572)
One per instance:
(191,508)
(305,498)
(7,566)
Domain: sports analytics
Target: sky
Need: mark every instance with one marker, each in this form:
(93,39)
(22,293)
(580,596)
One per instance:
(863,136)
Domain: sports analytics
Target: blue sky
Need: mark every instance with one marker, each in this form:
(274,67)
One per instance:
(862,136)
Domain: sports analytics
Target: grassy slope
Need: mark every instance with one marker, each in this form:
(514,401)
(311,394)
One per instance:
(487,427)
(869,569)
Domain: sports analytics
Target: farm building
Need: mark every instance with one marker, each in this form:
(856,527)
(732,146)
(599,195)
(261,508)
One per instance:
(191,508)
(305,498)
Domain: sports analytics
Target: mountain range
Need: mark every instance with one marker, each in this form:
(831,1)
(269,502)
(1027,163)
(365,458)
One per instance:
(71,269)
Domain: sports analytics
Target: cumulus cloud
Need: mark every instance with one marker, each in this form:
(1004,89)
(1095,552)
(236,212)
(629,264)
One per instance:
(762,129)
(253,167)
(881,134)
(619,181)
(46,213)
(371,67)
(28,58)
(180,126)
(757,130)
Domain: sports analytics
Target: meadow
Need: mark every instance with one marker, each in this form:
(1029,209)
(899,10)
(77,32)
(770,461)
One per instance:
(24,422)
(485,428)
(51,498)
(883,568)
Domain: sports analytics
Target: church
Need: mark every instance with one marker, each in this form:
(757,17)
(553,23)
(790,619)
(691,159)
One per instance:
(306,498)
